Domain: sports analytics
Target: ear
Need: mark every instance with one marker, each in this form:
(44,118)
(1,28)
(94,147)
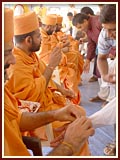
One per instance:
(28,40)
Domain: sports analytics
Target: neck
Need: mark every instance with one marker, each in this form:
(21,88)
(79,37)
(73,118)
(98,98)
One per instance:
(89,24)
(23,48)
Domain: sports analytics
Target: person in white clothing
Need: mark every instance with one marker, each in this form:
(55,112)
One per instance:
(106,41)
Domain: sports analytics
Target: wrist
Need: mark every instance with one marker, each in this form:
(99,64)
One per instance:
(61,150)
(55,115)
(87,61)
(51,67)
(52,116)
(68,149)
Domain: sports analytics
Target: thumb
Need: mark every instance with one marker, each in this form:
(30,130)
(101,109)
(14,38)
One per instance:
(62,128)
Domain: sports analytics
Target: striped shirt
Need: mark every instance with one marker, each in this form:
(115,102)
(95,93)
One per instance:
(105,44)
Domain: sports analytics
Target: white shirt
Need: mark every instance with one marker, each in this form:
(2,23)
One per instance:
(105,116)
(105,43)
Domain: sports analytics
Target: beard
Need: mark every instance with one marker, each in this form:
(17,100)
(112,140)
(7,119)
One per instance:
(6,66)
(35,47)
(57,30)
(5,76)
(49,32)
(5,72)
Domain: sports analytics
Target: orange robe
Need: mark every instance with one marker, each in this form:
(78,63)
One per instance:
(13,144)
(71,71)
(45,48)
(71,65)
(28,83)
(73,55)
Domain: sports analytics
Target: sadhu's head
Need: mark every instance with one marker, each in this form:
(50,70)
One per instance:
(8,39)
(49,23)
(26,32)
(59,23)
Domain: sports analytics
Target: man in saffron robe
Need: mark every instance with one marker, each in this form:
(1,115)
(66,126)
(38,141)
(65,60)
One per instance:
(30,78)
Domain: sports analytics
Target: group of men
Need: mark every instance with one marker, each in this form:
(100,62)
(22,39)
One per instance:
(35,84)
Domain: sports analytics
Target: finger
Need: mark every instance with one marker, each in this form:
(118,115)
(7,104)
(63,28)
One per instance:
(66,44)
(56,48)
(75,115)
(59,138)
(70,94)
(90,132)
(87,124)
(54,144)
(82,120)
(60,129)
(75,112)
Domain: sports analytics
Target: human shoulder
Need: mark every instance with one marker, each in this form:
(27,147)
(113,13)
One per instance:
(103,33)
(105,39)
(104,42)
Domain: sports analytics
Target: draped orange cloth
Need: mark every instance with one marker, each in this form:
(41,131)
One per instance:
(28,83)
(71,71)
(8,31)
(71,65)
(13,144)
(73,55)
(45,48)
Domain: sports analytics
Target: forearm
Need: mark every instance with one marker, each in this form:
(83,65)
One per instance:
(30,121)
(102,65)
(48,73)
(59,88)
(61,150)
(65,49)
(106,116)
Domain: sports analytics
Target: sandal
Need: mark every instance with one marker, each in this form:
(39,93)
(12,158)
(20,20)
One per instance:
(110,149)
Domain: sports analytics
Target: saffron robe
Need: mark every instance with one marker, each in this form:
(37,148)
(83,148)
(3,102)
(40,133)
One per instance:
(13,144)
(28,83)
(71,65)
